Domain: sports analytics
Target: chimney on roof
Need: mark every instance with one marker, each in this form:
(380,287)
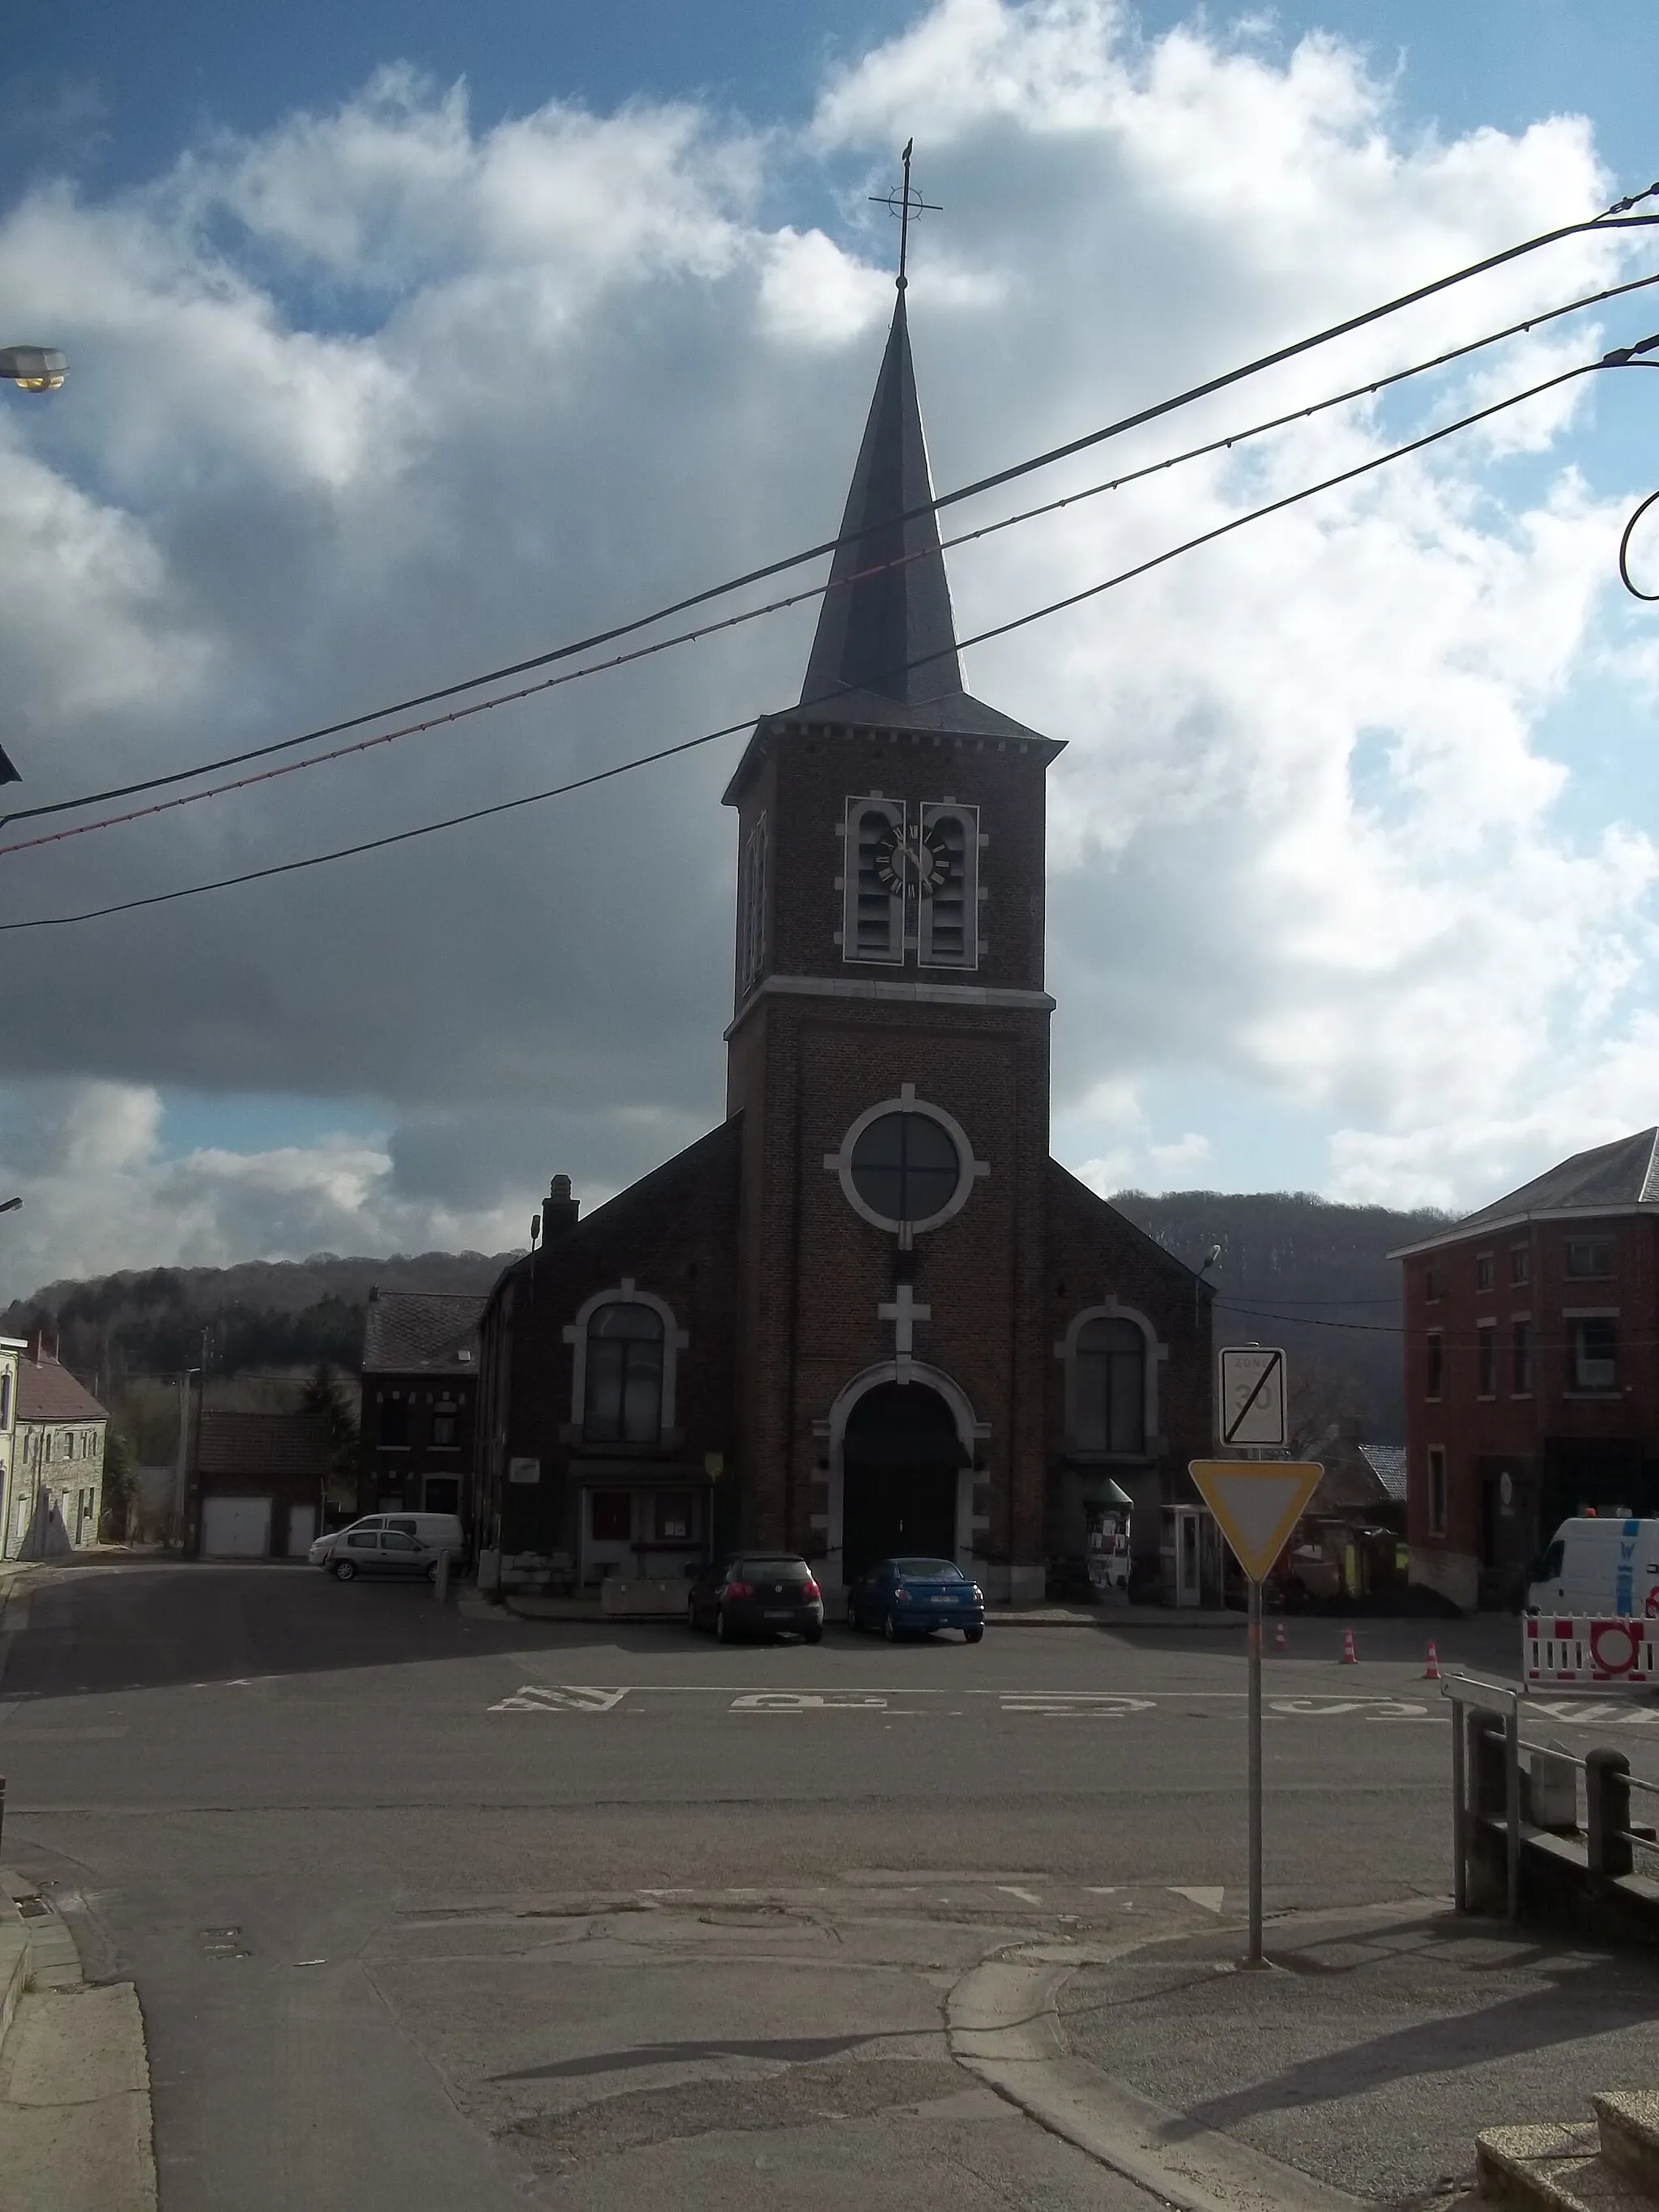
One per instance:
(560,1212)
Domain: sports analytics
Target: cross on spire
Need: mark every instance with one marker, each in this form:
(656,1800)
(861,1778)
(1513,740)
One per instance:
(903,203)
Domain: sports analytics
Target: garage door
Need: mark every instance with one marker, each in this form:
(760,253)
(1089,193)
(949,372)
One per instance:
(235,1527)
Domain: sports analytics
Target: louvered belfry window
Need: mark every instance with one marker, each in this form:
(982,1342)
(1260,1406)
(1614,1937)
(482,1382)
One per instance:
(911,882)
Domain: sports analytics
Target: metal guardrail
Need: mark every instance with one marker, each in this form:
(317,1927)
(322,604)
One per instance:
(1609,1840)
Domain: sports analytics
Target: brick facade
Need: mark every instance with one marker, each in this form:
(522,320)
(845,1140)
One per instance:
(1508,1433)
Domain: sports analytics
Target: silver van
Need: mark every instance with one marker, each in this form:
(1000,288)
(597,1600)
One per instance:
(390,1544)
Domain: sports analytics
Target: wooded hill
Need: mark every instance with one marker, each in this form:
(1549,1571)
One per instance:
(1294,1270)
(257,1316)
(1297,1271)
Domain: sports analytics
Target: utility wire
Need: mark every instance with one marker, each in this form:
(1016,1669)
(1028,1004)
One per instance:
(1616,359)
(1226,443)
(1616,217)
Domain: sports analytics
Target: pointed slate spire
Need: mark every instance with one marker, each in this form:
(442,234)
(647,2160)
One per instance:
(891,631)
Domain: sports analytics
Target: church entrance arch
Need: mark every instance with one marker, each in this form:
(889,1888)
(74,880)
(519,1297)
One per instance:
(903,1460)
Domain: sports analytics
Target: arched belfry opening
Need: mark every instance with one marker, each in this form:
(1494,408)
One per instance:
(902,1460)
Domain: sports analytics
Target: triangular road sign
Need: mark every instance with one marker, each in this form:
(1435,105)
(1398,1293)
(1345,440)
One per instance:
(1256,1503)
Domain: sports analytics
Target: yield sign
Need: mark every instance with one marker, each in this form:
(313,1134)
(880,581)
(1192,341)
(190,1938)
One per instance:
(1256,1503)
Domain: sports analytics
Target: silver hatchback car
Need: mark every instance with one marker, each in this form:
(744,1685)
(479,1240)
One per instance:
(390,1544)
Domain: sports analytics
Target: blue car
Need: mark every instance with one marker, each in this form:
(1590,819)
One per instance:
(906,1597)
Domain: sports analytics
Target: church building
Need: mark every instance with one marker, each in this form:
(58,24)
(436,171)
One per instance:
(868,1313)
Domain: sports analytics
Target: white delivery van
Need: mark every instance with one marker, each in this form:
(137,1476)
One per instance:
(1597,1567)
(390,1544)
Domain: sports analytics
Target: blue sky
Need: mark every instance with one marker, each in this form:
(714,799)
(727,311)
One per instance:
(1352,842)
(123,88)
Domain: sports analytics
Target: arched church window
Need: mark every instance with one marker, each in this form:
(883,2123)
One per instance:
(1109,1402)
(906,1167)
(622,1398)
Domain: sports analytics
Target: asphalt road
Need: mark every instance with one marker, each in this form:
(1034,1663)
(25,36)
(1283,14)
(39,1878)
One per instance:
(428,1906)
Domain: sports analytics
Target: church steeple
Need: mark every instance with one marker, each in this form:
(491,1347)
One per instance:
(885,626)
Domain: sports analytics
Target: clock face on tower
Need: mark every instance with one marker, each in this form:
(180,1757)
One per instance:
(911,859)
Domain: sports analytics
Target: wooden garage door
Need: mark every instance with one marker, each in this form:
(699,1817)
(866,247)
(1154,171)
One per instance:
(235,1527)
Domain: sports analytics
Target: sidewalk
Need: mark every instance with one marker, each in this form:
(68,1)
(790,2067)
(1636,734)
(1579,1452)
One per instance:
(1368,2060)
(74,2093)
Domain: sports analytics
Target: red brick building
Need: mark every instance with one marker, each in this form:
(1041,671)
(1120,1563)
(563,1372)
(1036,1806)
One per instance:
(868,1312)
(1532,1369)
(420,1371)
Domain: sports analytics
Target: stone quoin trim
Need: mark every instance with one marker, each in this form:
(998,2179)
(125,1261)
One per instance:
(969,1169)
(1111,1309)
(674,1341)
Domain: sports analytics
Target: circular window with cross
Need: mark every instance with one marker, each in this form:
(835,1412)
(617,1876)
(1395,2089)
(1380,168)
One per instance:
(906,1166)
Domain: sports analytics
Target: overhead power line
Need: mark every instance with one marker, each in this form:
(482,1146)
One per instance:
(1616,359)
(1614,218)
(1226,443)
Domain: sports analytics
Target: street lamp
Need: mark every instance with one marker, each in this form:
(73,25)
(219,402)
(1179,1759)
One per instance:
(33,367)
(10,1205)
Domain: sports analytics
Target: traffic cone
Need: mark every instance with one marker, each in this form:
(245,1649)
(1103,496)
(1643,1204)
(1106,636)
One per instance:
(1431,1671)
(1350,1656)
(1281,1642)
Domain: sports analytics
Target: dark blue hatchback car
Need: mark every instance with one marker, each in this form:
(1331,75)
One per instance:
(904,1597)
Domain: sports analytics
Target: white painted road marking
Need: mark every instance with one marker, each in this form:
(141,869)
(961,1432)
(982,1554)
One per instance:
(1209,1899)
(807,1701)
(1060,1704)
(568,1698)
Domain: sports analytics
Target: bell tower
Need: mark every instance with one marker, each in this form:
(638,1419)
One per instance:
(889,1055)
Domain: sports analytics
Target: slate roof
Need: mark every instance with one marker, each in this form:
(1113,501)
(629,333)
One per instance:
(1609,1178)
(263,1444)
(47,1392)
(422,1332)
(1387,1463)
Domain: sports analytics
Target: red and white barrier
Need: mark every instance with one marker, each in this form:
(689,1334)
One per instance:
(1607,1653)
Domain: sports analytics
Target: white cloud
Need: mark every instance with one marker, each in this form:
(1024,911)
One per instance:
(384,395)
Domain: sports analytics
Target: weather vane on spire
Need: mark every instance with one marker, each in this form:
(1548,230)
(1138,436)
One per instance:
(904,204)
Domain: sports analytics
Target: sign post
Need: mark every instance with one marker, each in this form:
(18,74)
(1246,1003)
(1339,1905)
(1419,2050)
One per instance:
(1256,1504)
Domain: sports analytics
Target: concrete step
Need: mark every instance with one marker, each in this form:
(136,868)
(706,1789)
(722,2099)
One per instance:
(1630,2135)
(1553,2167)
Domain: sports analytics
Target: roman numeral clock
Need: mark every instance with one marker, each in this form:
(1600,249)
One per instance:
(911,881)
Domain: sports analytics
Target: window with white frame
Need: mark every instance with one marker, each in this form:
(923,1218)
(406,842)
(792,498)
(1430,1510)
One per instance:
(622,1397)
(751,909)
(872,914)
(947,919)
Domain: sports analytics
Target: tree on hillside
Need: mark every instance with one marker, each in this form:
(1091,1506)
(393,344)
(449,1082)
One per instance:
(321,1398)
(116,1511)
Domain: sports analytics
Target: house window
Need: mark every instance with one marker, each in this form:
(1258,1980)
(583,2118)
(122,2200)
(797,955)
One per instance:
(1596,1353)
(1486,1342)
(1109,1386)
(1437,1369)
(1486,1272)
(5,1400)
(1589,1256)
(1437,1490)
(394,1422)
(1434,1283)
(443,1429)
(622,1397)
(612,1513)
(1521,1264)
(1520,1347)
(751,909)
(674,1516)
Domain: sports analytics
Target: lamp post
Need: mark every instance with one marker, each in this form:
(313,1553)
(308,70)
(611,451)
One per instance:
(10,1205)
(33,367)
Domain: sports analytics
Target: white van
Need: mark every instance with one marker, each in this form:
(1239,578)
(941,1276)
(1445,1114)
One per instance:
(390,1544)
(1597,1569)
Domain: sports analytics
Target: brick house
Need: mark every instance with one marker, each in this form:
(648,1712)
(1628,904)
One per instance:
(1532,1369)
(420,1378)
(868,1312)
(53,1454)
(256,1484)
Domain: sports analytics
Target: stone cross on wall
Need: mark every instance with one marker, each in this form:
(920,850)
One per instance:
(902,1310)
